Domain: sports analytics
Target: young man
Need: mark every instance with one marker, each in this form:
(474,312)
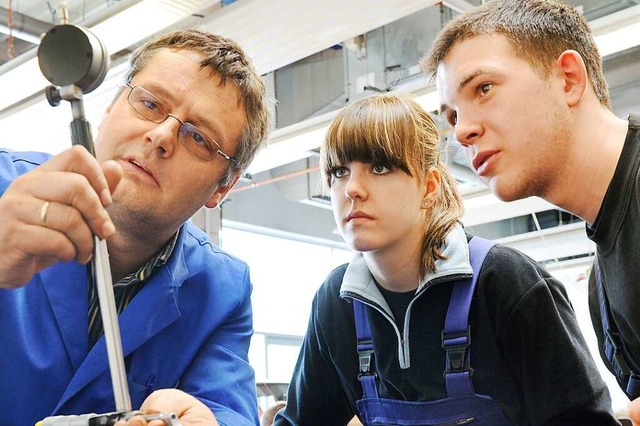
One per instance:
(188,121)
(521,82)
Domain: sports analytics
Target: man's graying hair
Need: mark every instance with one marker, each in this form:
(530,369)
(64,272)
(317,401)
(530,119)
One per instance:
(226,58)
(538,30)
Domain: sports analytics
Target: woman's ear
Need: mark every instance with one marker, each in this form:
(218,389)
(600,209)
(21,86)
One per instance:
(433,183)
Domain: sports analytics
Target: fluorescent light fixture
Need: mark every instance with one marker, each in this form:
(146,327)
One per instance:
(618,31)
(619,40)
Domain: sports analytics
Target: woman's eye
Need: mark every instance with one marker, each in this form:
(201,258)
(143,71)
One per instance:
(484,88)
(339,172)
(380,169)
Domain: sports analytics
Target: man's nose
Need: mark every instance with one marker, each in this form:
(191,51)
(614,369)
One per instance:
(165,134)
(468,130)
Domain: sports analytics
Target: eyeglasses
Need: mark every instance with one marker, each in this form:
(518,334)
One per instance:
(195,140)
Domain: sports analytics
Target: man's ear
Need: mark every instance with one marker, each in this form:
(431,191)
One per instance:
(432,183)
(218,196)
(573,73)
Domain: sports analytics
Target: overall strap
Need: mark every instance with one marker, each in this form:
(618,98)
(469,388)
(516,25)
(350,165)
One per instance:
(366,375)
(456,336)
(625,368)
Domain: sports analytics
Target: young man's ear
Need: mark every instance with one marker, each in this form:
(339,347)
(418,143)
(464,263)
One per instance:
(221,192)
(573,73)
(433,183)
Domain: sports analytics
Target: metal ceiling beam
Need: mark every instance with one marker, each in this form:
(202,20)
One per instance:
(24,27)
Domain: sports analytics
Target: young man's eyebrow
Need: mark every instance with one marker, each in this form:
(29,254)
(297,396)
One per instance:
(468,79)
(461,85)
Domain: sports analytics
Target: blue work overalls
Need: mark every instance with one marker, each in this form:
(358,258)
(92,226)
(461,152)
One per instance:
(625,368)
(462,405)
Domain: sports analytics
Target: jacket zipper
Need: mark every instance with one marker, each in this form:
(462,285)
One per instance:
(403,349)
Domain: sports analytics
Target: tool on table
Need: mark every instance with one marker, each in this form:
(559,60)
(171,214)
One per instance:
(105,419)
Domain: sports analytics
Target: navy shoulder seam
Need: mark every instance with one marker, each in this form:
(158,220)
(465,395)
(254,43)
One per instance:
(22,160)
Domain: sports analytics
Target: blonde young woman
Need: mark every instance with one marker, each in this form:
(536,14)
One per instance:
(433,345)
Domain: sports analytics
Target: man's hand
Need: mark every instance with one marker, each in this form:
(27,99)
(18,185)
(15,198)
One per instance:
(266,419)
(51,213)
(190,411)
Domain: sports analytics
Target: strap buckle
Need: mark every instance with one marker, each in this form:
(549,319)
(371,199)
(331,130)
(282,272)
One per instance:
(365,357)
(457,356)
(618,360)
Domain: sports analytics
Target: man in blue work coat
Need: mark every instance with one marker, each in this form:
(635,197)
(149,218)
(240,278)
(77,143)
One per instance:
(184,126)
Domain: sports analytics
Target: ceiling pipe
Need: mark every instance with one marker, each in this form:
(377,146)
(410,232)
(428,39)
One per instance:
(275,179)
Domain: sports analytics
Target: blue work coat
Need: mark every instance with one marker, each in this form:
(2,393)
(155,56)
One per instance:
(189,328)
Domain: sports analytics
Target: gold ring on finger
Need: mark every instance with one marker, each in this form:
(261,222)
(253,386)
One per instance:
(43,213)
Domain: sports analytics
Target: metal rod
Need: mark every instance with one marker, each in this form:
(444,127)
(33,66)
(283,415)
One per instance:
(109,315)
(81,135)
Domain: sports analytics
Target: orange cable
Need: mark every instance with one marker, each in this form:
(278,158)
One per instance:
(10,52)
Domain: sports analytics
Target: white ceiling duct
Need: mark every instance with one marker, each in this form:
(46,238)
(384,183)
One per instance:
(276,33)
